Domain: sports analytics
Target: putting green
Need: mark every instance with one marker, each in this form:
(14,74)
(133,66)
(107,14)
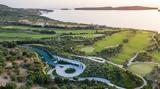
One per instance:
(142,68)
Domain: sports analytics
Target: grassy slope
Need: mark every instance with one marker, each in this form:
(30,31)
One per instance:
(137,43)
(142,68)
(106,42)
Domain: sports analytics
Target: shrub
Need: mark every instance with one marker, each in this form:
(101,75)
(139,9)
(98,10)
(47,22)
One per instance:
(11,85)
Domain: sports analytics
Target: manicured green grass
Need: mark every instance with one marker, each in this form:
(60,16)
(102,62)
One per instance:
(113,40)
(137,43)
(87,49)
(10,36)
(142,68)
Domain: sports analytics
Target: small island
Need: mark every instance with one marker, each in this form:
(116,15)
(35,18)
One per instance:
(118,8)
(65,9)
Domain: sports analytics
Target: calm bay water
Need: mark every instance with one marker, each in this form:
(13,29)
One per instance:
(147,19)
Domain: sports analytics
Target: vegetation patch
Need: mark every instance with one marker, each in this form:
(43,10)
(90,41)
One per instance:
(107,71)
(143,57)
(111,51)
(70,70)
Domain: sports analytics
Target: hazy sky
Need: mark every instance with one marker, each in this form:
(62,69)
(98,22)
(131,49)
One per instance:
(76,3)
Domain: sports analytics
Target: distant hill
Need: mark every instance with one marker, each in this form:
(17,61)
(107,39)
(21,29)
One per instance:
(117,8)
(14,14)
(29,11)
(4,7)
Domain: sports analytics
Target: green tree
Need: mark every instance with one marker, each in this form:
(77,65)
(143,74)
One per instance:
(11,85)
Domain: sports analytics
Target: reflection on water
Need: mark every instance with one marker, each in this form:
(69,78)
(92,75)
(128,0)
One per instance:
(148,20)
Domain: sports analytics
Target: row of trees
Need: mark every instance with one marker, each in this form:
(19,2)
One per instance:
(45,31)
(8,44)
